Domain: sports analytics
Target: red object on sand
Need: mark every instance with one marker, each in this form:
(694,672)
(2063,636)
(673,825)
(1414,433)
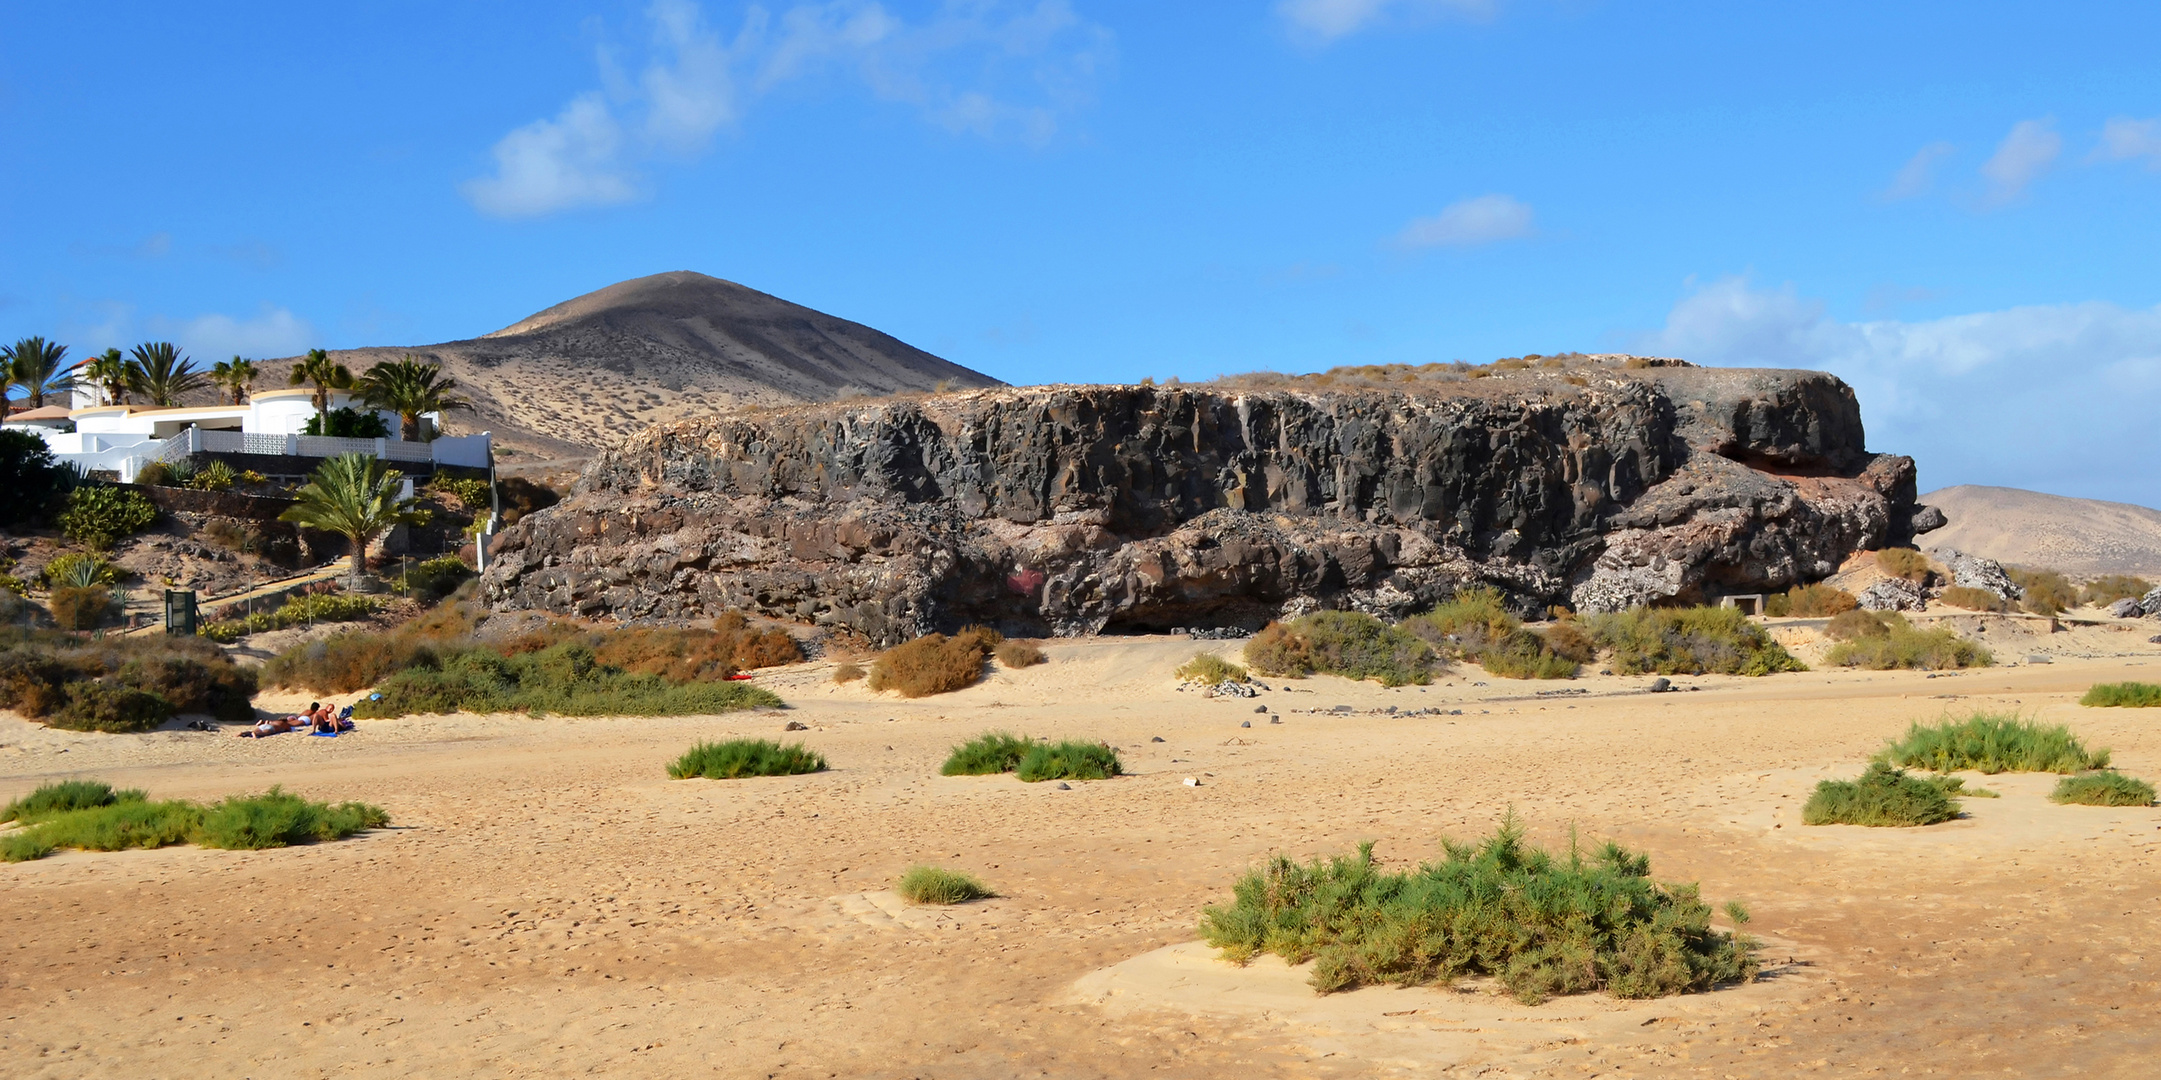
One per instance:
(738,678)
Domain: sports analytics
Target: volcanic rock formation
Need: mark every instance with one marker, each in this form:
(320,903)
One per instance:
(1078,509)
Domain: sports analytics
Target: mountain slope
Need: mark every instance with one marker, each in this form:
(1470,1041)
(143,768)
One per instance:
(2080,537)
(581,374)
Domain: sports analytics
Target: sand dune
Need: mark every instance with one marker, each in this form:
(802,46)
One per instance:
(2081,537)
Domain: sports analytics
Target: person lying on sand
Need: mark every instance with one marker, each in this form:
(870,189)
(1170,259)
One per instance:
(279,725)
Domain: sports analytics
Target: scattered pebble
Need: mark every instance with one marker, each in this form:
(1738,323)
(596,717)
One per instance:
(1193,781)
(1245,723)
(1155,738)
(794,725)
(1260,708)
(1063,786)
(1275,719)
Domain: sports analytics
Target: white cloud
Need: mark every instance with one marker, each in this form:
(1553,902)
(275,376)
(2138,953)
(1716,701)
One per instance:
(1328,20)
(2024,154)
(993,68)
(1919,173)
(2123,138)
(273,331)
(2057,397)
(1469,222)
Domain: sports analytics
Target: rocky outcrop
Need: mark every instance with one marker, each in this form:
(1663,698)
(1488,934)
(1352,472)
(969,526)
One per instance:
(1078,509)
(1975,572)
(1891,594)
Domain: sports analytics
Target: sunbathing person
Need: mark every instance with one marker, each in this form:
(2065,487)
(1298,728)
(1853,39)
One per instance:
(276,725)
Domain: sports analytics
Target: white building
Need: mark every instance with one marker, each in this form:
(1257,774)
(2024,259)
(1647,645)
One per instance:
(124,438)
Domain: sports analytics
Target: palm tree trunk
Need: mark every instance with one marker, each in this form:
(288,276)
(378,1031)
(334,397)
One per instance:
(409,427)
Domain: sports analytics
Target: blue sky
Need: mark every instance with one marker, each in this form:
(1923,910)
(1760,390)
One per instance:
(1951,205)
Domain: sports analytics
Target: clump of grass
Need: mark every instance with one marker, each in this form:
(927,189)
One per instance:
(1474,625)
(1856,624)
(1019,654)
(932,885)
(1211,669)
(1347,643)
(1069,760)
(1972,599)
(1992,743)
(848,671)
(738,758)
(2129,695)
(2043,592)
(272,819)
(1902,645)
(1903,562)
(990,752)
(2109,588)
(1810,601)
(1542,924)
(2102,789)
(934,663)
(1882,797)
(1690,641)
(566,679)
(63,796)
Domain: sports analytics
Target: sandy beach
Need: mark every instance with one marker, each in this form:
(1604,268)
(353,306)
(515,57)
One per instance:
(548,903)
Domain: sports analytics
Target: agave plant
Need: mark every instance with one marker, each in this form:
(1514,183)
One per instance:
(216,476)
(355,496)
(163,375)
(411,388)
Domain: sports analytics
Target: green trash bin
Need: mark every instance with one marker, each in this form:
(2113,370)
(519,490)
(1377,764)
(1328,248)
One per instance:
(180,612)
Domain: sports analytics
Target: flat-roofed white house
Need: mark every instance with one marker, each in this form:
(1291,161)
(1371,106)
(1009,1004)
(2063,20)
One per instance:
(264,434)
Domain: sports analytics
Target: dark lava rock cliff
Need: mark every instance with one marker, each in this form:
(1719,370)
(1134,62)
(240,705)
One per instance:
(1078,509)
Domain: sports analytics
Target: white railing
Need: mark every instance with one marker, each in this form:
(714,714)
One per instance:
(471,450)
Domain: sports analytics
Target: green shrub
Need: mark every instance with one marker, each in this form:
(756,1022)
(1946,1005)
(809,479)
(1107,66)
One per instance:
(2102,789)
(471,494)
(49,676)
(1568,640)
(1903,646)
(1347,643)
(1903,562)
(1810,601)
(990,752)
(1690,641)
(99,514)
(273,819)
(1541,924)
(80,608)
(37,484)
(565,679)
(1972,599)
(1883,796)
(1857,624)
(738,758)
(80,570)
(2133,695)
(345,422)
(216,476)
(933,663)
(110,708)
(1211,669)
(1992,743)
(1019,654)
(433,579)
(63,796)
(931,885)
(2109,588)
(1069,760)
(2046,592)
(224,633)
(1474,625)
(301,609)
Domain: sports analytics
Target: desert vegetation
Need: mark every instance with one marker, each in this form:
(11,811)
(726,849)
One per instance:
(988,753)
(2044,592)
(301,609)
(1211,669)
(118,684)
(1886,641)
(733,759)
(848,671)
(1068,760)
(1473,625)
(1810,601)
(2109,588)
(933,885)
(1992,743)
(2102,789)
(2122,695)
(1972,599)
(1019,654)
(934,663)
(1347,643)
(93,817)
(1689,641)
(1543,925)
(1882,797)
(1903,563)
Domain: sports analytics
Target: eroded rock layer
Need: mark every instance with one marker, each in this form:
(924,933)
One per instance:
(1077,509)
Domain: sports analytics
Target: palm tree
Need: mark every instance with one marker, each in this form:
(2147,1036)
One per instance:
(163,375)
(355,496)
(410,388)
(35,365)
(317,368)
(236,377)
(112,374)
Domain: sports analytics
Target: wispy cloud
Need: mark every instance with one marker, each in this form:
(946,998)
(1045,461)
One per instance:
(991,68)
(1918,174)
(2027,152)
(272,331)
(2051,396)
(1469,222)
(2124,138)
(1327,20)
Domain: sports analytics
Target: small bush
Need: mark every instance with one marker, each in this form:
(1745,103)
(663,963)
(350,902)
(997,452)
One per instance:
(116,827)
(566,679)
(848,671)
(433,579)
(2109,588)
(110,708)
(1542,924)
(110,684)
(1347,643)
(931,885)
(1903,646)
(216,476)
(80,570)
(990,752)
(99,514)
(1568,640)
(1857,624)
(1019,654)
(36,483)
(931,664)
(738,758)
(80,609)
(1972,599)
(2102,789)
(1069,760)
(1810,601)
(1475,626)
(2132,695)
(273,819)
(1902,562)
(61,797)
(1690,641)
(1992,743)
(2045,592)
(278,819)
(1882,797)
(1211,669)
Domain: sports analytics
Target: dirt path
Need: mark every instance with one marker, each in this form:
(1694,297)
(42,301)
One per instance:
(548,903)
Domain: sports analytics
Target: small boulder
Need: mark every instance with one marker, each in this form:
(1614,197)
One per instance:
(1260,708)
(795,725)
(1245,723)
(2127,608)
(1660,686)
(1155,738)
(1891,594)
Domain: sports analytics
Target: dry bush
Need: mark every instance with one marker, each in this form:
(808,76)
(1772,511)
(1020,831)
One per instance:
(1020,654)
(1903,562)
(1347,643)
(1570,642)
(1278,650)
(1856,624)
(933,663)
(1903,645)
(2109,588)
(1811,601)
(848,671)
(79,608)
(1972,599)
(2046,592)
(1211,669)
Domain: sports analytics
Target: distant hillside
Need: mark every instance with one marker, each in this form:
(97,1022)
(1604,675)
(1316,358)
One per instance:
(2081,537)
(587,371)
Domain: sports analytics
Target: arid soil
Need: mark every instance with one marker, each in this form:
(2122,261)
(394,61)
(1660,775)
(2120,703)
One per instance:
(547,903)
